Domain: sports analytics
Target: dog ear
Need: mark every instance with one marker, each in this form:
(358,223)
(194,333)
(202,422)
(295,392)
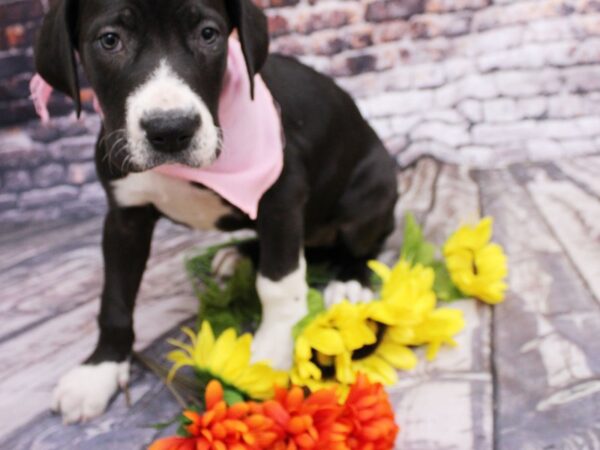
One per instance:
(55,48)
(253,32)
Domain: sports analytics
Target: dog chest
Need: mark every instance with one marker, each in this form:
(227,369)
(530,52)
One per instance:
(177,199)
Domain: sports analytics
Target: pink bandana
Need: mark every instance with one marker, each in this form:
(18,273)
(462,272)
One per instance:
(252,156)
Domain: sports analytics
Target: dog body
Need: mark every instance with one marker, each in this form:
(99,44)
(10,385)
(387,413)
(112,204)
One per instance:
(157,69)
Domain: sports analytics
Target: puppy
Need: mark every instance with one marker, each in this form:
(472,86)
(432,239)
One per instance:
(158,69)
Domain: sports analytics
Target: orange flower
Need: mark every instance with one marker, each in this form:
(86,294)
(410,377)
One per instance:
(242,426)
(291,421)
(302,423)
(174,443)
(367,421)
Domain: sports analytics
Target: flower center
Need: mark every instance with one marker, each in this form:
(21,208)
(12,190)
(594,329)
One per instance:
(325,363)
(368,350)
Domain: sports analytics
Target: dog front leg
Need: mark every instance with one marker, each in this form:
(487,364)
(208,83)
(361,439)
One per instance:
(85,391)
(281,284)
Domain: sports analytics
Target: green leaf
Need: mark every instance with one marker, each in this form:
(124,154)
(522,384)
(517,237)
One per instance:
(231,396)
(415,249)
(316,305)
(181,431)
(232,303)
(183,423)
(443,286)
(162,425)
(315,301)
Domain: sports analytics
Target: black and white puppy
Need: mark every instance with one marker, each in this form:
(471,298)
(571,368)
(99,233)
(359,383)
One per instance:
(337,190)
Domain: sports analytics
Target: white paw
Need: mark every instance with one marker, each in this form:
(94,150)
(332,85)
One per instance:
(225,261)
(352,290)
(84,392)
(275,344)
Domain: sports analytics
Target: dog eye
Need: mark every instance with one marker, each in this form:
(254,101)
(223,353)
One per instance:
(209,34)
(111,42)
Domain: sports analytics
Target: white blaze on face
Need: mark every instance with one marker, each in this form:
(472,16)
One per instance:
(164,91)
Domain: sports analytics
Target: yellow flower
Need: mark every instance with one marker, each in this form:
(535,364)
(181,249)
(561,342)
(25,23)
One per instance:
(322,350)
(407,293)
(476,266)
(375,338)
(226,358)
(380,360)
(408,310)
(438,328)
(315,370)
(371,338)
(338,329)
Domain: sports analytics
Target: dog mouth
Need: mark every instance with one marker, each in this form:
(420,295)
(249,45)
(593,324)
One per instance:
(132,155)
(189,157)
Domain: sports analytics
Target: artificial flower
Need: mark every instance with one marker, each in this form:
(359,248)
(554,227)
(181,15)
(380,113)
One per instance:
(406,300)
(366,421)
(476,266)
(242,426)
(342,327)
(407,291)
(375,337)
(391,352)
(290,421)
(439,327)
(322,351)
(226,358)
(174,443)
(305,422)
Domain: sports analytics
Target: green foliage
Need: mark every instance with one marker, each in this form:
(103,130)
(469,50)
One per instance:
(183,424)
(234,303)
(443,286)
(162,425)
(232,396)
(415,249)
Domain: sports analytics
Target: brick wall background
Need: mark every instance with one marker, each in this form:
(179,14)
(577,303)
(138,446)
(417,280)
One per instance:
(479,82)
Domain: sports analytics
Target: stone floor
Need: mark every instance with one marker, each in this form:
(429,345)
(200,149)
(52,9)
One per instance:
(526,374)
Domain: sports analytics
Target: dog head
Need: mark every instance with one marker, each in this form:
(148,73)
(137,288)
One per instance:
(157,69)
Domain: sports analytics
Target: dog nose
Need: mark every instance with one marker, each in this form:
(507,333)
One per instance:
(170,132)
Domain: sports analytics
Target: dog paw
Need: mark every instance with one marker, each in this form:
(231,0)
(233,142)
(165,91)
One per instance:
(84,392)
(352,290)
(225,261)
(274,344)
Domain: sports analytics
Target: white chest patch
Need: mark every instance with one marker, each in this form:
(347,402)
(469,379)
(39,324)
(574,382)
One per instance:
(177,199)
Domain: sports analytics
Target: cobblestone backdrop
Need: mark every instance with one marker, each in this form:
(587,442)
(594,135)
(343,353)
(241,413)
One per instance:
(480,82)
